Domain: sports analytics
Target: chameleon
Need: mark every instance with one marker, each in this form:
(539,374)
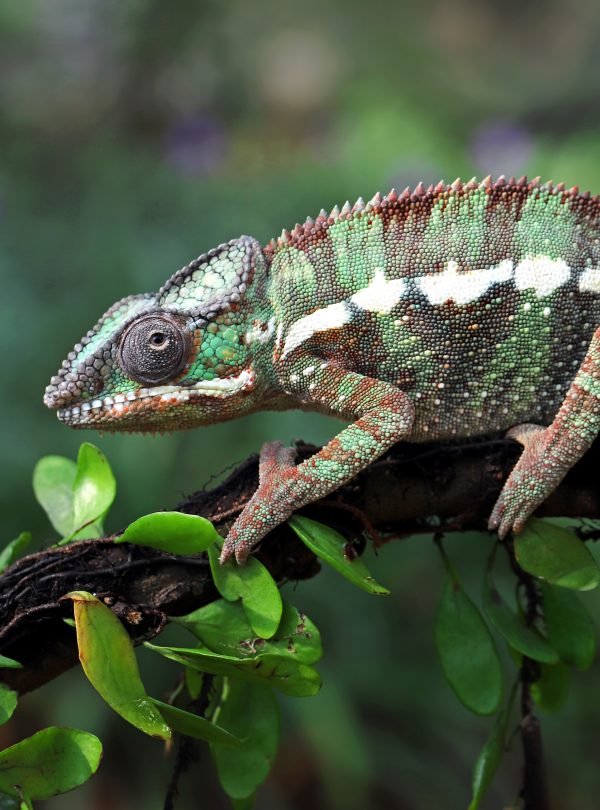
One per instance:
(458,310)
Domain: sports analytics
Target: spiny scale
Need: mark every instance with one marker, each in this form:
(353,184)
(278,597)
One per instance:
(420,194)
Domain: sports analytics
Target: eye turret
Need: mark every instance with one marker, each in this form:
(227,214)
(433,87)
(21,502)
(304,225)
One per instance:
(155,348)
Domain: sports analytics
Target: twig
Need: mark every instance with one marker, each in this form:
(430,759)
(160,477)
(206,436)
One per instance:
(535,788)
(534,792)
(187,748)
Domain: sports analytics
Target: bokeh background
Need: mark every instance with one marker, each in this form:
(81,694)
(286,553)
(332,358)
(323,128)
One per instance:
(136,134)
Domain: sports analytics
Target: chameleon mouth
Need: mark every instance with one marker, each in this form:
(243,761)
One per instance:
(146,402)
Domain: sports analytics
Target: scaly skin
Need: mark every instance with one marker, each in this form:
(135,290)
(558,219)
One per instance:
(455,311)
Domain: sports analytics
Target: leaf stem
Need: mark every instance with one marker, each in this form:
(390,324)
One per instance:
(450,569)
(187,748)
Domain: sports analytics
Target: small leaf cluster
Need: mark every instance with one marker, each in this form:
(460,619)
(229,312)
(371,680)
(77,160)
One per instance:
(246,646)
(251,644)
(50,762)
(550,627)
(75,496)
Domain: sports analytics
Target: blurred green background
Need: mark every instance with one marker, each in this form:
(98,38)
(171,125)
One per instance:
(136,134)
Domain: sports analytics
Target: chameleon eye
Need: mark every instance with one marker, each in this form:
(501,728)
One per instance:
(154,348)
(158,340)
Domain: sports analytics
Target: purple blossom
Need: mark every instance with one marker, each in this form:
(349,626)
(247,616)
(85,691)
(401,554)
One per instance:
(196,145)
(501,147)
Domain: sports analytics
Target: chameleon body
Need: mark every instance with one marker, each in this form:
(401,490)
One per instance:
(454,311)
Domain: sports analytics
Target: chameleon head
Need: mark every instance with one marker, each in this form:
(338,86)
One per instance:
(173,359)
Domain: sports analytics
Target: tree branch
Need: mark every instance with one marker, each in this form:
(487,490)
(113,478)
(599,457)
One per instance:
(413,489)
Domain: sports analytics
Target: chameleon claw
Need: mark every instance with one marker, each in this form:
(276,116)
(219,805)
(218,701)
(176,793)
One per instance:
(233,549)
(504,529)
(511,513)
(226,554)
(506,516)
(241,555)
(500,525)
(237,545)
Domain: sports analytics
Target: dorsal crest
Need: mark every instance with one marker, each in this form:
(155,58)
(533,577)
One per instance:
(421,200)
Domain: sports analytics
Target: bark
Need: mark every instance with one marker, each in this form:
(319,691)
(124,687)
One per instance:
(413,489)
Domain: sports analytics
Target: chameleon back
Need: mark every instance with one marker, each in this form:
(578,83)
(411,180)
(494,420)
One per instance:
(478,300)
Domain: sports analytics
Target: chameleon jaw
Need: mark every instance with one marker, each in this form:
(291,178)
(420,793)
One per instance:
(135,405)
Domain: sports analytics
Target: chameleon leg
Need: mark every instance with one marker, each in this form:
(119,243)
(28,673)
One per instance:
(549,453)
(383,414)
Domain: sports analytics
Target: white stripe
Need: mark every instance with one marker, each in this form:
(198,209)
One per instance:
(332,317)
(590,280)
(542,274)
(381,295)
(464,286)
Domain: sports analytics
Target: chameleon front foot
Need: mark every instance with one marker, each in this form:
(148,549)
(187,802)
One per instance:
(272,503)
(534,477)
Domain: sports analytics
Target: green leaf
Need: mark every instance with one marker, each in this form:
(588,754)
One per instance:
(192,725)
(289,676)
(8,702)
(488,761)
(250,712)
(174,532)
(64,488)
(569,626)
(50,762)
(254,585)
(224,627)
(108,659)
(551,690)
(9,663)
(556,555)
(53,478)
(508,624)
(329,545)
(11,550)
(244,804)
(193,682)
(467,652)
(94,487)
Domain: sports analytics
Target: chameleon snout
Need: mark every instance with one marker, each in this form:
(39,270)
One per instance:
(82,380)
(78,382)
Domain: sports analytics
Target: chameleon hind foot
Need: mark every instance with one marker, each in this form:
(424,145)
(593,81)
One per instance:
(550,452)
(536,474)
